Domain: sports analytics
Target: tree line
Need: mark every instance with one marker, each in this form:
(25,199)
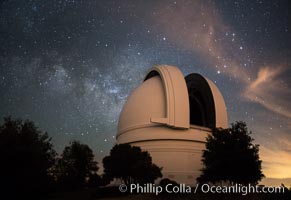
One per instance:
(30,165)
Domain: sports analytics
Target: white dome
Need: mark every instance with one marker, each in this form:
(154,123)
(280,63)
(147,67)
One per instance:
(163,99)
(170,117)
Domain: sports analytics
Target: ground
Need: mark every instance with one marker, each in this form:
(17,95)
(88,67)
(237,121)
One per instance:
(93,194)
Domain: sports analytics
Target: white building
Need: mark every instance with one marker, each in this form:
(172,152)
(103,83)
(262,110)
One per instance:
(170,116)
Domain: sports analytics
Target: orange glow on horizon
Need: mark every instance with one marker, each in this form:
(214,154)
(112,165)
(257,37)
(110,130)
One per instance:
(276,163)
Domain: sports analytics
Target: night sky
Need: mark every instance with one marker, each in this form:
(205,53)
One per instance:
(70,65)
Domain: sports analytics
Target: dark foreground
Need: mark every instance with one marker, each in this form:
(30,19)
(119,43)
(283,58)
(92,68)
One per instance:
(114,194)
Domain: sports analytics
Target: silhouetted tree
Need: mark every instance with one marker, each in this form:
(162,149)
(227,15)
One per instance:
(105,179)
(76,165)
(94,180)
(130,164)
(230,156)
(26,157)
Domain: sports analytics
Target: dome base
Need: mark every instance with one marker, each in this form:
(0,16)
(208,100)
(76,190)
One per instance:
(178,152)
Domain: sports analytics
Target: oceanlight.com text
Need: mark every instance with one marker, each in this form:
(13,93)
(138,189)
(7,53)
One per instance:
(241,189)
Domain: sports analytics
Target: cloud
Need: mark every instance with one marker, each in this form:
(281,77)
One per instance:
(197,26)
(269,91)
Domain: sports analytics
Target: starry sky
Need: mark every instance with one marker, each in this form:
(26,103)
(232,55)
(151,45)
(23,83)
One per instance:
(70,65)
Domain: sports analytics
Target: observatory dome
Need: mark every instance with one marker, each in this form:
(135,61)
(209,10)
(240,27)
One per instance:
(170,116)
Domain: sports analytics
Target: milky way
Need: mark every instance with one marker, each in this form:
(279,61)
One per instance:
(70,65)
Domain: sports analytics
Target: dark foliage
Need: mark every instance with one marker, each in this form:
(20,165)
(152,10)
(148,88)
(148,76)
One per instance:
(130,164)
(76,166)
(94,180)
(231,157)
(166,181)
(26,157)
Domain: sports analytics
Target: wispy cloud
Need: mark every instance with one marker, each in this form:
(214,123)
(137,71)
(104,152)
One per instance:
(198,27)
(268,90)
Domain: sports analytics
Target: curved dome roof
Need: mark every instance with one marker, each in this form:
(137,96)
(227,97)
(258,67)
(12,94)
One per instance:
(163,99)
(146,102)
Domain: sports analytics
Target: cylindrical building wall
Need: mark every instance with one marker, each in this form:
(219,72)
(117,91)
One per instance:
(178,152)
